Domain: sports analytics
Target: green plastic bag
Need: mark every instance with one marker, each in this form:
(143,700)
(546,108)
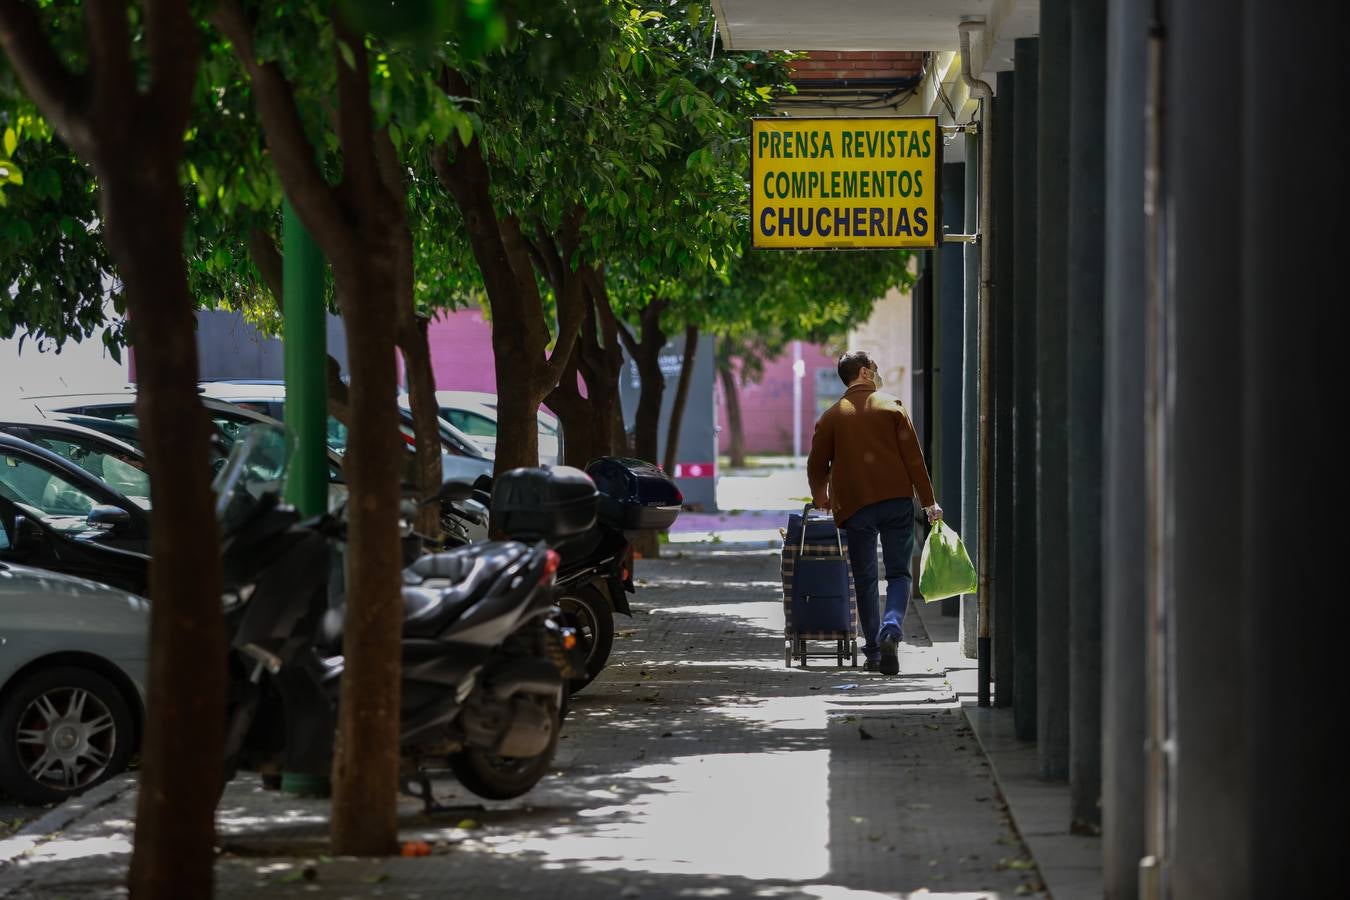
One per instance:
(945,569)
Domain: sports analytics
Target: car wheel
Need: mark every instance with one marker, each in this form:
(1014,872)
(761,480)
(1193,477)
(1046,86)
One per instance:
(62,731)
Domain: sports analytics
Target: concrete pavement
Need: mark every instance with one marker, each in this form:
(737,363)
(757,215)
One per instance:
(697,765)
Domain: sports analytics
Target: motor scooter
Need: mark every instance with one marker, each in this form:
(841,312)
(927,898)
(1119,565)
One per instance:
(595,574)
(485,652)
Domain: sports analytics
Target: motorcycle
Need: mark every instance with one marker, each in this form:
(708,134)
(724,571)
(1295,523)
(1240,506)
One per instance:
(595,575)
(485,652)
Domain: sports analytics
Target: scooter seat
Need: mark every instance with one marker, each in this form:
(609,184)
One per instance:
(437,589)
(450,583)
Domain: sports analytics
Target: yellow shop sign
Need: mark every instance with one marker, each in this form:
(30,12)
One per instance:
(845,182)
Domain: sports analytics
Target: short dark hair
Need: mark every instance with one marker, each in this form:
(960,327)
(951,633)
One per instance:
(850,364)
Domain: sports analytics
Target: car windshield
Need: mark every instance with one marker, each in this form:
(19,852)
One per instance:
(472,424)
(123,473)
(257,465)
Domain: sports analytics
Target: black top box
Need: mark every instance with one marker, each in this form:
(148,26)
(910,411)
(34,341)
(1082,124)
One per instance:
(635,494)
(538,504)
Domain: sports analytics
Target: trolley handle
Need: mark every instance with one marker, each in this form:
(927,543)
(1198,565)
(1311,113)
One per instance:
(801,547)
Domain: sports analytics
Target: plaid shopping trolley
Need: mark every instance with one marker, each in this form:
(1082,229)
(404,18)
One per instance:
(819,600)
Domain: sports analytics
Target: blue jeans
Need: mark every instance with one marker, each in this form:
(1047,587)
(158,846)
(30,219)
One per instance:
(893,520)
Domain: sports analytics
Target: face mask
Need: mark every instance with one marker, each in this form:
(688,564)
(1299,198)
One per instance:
(876,379)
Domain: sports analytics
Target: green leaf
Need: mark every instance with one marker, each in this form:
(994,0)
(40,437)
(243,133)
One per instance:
(464,126)
(348,56)
(11,141)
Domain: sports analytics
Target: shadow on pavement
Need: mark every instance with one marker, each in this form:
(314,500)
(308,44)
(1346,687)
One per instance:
(697,765)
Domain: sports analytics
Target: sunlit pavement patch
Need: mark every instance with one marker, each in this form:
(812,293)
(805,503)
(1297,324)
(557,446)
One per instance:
(700,815)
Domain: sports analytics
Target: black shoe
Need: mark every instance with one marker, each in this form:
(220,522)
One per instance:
(871,665)
(890,661)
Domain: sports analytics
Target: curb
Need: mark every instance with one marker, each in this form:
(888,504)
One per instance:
(58,819)
(1017,814)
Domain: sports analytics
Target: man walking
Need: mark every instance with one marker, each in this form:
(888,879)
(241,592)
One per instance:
(865,466)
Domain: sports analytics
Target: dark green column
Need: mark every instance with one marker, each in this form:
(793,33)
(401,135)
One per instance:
(1123,472)
(1293,320)
(306,356)
(1087,202)
(950,342)
(1005,521)
(970,394)
(1204,436)
(1052,408)
(1026,116)
(921,331)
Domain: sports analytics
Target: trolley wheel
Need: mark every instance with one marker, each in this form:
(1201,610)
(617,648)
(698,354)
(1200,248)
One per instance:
(801,651)
(855,652)
(839,653)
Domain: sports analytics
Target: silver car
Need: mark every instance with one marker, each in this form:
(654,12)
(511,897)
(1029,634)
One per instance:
(72,682)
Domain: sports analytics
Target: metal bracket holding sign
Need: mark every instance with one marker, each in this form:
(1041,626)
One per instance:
(846,183)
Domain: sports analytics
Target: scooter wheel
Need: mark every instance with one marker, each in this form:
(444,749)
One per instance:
(587,610)
(494,777)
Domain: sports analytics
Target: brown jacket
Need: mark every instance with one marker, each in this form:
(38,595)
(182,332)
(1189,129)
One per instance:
(866,450)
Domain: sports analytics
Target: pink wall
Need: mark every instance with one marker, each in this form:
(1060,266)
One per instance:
(461,355)
(766,405)
(461,351)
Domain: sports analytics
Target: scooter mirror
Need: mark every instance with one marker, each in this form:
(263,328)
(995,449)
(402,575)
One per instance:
(454,490)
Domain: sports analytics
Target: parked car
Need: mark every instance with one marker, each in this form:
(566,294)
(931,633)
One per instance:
(114,414)
(72,681)
(56,515)
(461,458)
(117,463)
(475,414)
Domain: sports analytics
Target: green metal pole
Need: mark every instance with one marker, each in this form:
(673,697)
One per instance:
(306,358)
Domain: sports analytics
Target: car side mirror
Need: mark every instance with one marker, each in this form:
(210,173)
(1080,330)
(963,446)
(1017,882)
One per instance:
(113,518)
(28,535)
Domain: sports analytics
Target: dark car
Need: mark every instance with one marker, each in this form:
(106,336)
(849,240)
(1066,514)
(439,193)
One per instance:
(56,515)
(114,414)
(461,458)
(117,462)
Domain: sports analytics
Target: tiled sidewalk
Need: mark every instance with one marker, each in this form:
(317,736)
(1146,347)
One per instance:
(696,766)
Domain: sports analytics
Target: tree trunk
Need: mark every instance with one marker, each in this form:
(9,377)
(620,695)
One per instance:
(526,371)
(588,422)
(602,367)
(518,400)
(731,395)
(356,224)
(181,749)
(574,414)
(366,758)
(127,122)
(646,354)
(412,342)
(411,335)
(681,397)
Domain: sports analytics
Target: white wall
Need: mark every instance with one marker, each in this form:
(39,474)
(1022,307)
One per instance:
(77,366)
(888,337)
